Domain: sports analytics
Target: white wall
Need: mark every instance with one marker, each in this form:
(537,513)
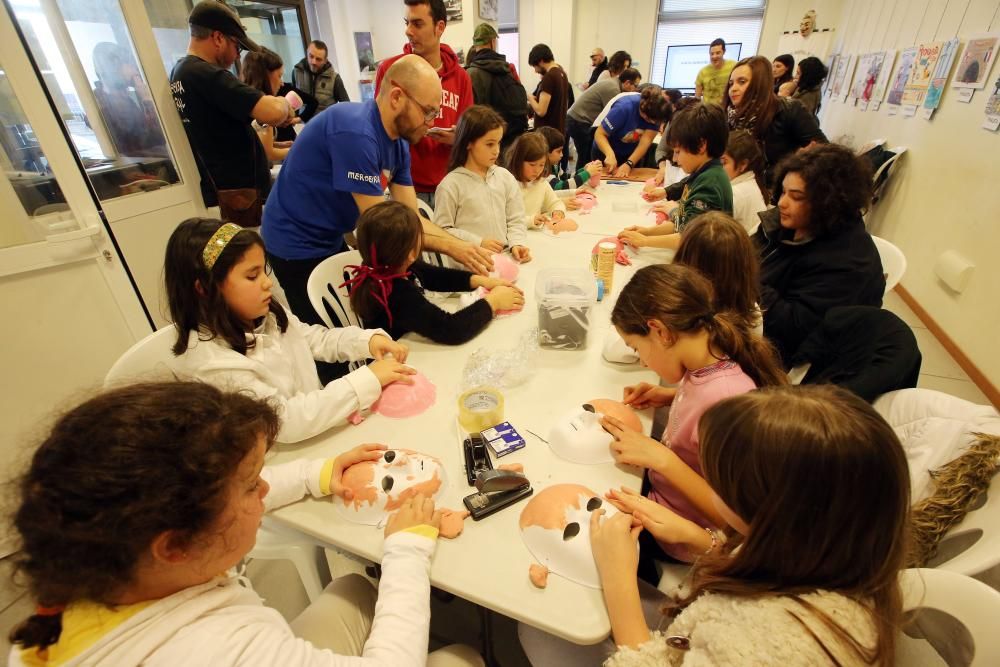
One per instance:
(623,25)
(782,15)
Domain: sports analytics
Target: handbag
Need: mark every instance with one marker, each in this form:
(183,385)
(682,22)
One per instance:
(242,206)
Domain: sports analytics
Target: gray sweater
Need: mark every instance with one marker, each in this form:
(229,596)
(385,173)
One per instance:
(593,100)
(472,208)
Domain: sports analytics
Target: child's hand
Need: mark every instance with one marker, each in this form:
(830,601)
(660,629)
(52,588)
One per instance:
(634,238)
(539,220)
(633,448)
(644,395)
(389,370)
(505,298)
(654,194)
(594,167)
(661,522)
(492,245)
(665,206)
(379,346)
(558,214)
(613,542)
(521,253)
(366,452)
(572,204)
(661,175)
(417,511)
(488,283)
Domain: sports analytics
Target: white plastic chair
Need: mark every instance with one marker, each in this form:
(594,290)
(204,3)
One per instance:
(974,604)
(893,262)
(324,291)
(886,168)
(146,359)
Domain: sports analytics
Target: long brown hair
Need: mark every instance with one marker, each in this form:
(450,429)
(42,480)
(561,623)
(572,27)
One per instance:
(683,300)
(387,234)
(759,103)
(742,147)
(257,66)
(528,147)
(115,472)
(194,292)
(474,122)
(822,482)
(718,247)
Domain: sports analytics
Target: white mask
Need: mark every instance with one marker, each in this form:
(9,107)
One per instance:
(380,487)
(578,436)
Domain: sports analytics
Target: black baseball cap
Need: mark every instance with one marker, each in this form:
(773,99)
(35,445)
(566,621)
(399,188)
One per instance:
(218,16)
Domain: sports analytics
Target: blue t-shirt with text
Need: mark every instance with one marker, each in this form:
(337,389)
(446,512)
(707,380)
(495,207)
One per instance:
(624,126)
(341,151)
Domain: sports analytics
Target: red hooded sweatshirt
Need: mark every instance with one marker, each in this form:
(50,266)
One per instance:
(429,158)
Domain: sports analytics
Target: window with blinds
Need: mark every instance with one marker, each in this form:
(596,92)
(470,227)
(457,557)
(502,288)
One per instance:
(683,22)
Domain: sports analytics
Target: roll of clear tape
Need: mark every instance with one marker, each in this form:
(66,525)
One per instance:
(480,408)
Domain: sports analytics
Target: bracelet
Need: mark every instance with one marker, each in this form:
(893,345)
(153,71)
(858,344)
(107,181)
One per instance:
(715,541)
(629,163)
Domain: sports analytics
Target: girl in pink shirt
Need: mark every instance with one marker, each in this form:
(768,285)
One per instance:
(666,313)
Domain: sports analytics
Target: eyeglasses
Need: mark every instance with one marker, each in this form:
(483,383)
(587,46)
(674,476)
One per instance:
(236,43)
(430,113)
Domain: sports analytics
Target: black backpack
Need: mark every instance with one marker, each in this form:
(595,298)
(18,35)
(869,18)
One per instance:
(510,101)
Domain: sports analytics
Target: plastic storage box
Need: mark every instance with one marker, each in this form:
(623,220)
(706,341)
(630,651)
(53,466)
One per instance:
(565,297)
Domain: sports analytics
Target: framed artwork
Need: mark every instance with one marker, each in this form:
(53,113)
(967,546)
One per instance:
(454,9)
(941,72)
(883,76)
(902,74)
(488,10)
(366,55)
(867,73)
(922,72)
(976,60)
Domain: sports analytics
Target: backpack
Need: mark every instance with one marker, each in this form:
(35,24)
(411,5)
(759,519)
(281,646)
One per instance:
(510,100)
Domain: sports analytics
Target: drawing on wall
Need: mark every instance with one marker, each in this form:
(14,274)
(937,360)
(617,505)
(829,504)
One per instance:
(366,55)
(882,82)
(840,75)
(977,58)
(831,67)
(922,72)
(941,72)
(454,9)
(903,67)
(992,121)
(488,10)
(866,74)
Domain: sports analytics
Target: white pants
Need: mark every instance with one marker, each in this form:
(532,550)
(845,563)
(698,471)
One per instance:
(341,618)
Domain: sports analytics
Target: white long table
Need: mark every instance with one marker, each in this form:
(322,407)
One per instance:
(488,564)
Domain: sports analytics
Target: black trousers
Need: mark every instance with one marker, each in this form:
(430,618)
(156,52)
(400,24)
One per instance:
(582,137)
(293,275)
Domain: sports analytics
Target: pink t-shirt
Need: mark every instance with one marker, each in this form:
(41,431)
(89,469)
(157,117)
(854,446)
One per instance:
(697,392)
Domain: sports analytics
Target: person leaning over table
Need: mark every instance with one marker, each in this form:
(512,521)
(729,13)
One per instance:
(628,130)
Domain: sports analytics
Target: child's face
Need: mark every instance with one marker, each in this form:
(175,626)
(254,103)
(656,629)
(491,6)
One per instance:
(532,170)
(793,205)
(235,530)
(555,156)
(656,351)
(731,168)
(688,161)
(247,287)
(484,151)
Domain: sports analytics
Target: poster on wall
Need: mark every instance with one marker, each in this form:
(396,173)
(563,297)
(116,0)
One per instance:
(454,10)
(922,72)
(867,73)
(840,77)
(903,67)
(878,94)
(366,55)
(974,65)
(831,67)
(992,121)
(940,76)
(488,10)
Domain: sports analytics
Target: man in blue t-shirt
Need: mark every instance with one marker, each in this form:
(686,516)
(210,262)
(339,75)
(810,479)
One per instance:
(340,165)
(627,131)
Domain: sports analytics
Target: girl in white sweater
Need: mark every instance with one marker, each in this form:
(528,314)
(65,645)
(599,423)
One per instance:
(139,503)
(478,201)
(744,164)
(815,487)
(232,333)
(528,159)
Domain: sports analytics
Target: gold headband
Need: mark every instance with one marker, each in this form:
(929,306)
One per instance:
(220,239)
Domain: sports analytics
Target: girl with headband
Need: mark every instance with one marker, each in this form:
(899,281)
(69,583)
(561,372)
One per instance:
(232,333)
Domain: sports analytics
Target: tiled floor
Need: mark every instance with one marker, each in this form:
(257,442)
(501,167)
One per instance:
(457,621)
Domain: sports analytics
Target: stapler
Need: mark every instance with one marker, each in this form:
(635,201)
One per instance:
(496,489)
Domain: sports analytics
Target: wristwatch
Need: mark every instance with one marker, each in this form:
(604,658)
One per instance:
(629,163)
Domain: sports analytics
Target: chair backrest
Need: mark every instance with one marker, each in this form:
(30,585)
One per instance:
(425,209)
(974,604)
(893,262)
(146,360)
(324,291)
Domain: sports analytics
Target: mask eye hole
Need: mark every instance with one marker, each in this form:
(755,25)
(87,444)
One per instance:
(571,531)
(588,407)
(387,483)
(389,456)
(593,504)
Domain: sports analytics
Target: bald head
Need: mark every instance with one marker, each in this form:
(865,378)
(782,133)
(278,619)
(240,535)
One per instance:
(409,99)
(417,77)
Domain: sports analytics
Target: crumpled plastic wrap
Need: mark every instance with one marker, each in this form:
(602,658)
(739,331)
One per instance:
(502,369)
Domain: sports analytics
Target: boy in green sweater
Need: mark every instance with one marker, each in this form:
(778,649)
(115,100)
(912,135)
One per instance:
(698,135)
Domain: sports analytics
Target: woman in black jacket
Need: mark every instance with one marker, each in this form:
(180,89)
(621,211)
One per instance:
(815,252)
(780,125)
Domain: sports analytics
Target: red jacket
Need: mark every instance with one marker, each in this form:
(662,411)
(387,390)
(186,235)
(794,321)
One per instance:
(429,158)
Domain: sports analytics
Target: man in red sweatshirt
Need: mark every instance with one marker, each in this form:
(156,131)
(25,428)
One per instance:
(425,23)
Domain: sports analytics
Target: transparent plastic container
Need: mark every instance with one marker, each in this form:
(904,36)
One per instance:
(565,298)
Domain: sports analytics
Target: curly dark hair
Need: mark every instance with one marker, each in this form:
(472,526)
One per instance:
(117,471)
(838,185)
(655,104)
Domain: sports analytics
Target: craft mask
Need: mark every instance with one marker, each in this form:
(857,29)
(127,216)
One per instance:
(555,526)
(381,487)
(400,400)
(578,436)
(505,268)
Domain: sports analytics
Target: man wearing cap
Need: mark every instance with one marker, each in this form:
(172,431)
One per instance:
(218,109)
(425,23)
(494,83)
(599,65)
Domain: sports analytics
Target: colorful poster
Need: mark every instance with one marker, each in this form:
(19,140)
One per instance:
(889,58)
(840,75)
(866,74)
(922,72)
(941,72)
(977,58)
(903,67)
